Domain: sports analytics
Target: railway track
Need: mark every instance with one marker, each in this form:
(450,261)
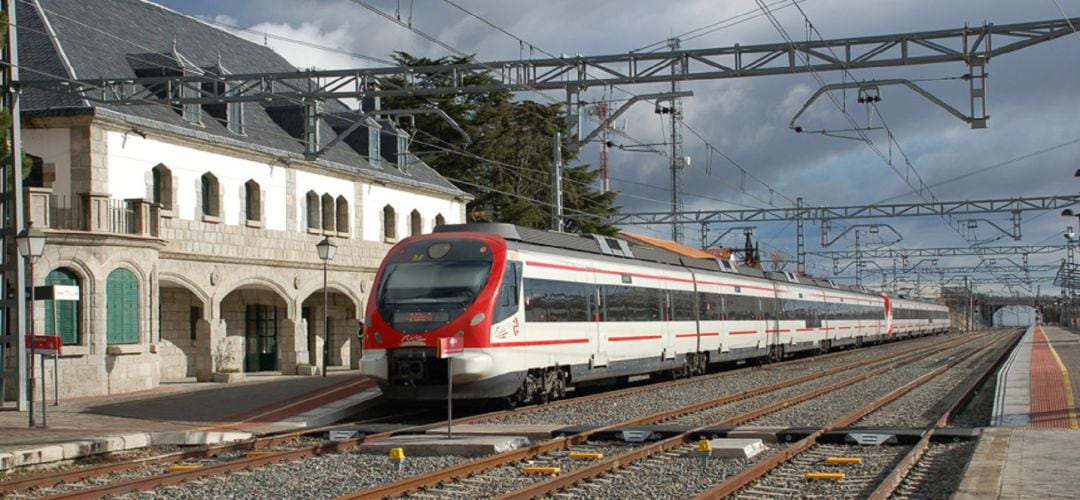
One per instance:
(504,473)
(238,460)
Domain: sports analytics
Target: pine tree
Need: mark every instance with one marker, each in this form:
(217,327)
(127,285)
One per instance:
(507,166)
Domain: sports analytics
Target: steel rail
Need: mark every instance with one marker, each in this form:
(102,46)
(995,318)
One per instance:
(550,486)
(901,471)
(407,485)
(759,470)
(52,479)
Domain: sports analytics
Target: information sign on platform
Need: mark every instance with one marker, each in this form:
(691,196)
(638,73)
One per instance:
(451,347)
(46,345)
(56,292)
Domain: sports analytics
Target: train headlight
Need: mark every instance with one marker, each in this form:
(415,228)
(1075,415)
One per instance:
(477,319)
(378,338)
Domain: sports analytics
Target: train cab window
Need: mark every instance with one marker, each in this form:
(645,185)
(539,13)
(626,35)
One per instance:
(508,292)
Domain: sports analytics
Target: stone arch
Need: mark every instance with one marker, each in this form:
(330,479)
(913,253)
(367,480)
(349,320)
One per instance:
(253,331)
(184,309)
(331,326)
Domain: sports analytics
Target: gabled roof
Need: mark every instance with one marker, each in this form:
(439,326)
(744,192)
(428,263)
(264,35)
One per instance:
(79,39)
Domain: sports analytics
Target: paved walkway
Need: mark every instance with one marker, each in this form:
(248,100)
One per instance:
(1031,451)
(185,412)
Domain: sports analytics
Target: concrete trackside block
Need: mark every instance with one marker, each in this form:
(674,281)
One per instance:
(198,438)
(736,448)
(7,461)
(428,445)
(137,440)
(766,434)
(541,432)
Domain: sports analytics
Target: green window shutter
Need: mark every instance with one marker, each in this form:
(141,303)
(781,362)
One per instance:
(122,308)
(65,313)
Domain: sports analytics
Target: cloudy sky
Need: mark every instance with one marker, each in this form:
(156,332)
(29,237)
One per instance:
(1031,147)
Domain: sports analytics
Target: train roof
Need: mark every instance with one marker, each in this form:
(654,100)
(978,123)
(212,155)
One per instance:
(633,250)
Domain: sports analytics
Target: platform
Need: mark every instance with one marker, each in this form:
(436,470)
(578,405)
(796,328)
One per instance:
(1035,428)
(185,413)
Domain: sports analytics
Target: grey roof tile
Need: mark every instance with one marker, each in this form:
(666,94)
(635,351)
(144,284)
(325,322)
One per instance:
(113,39)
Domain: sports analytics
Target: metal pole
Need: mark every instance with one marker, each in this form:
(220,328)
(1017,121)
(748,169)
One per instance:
(556,185)
(326,321)
(13,213)
(33,352)
(56,360)
(449,397)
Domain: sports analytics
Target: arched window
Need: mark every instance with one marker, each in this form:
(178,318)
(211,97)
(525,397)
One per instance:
(327,212)
(62,317)
(440,220)
(122,308)
(389,222)
(252,200)
(342,215)
(210,195)
(416,224)
(161,189)
(312,210)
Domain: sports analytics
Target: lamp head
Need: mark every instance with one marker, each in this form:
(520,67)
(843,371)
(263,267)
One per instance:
(31,241)
(326,249)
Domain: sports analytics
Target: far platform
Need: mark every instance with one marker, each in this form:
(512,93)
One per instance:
(1027,454)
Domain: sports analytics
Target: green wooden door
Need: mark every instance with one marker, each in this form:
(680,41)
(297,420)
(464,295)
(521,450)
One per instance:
(62,317)
(122,308)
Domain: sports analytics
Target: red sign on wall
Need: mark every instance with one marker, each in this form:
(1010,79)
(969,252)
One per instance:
(48,345)
(451,346)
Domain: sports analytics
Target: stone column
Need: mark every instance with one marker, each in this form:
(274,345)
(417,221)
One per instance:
(209,341)
(292,345)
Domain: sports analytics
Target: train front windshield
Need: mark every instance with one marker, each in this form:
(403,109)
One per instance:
(429,283)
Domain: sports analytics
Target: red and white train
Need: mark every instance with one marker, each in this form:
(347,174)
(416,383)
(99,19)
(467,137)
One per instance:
(540,311)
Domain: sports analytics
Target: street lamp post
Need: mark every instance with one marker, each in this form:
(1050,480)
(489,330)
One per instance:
(326,249)
(31,243)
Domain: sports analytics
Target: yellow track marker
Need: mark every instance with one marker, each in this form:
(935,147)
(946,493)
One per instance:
(253,454)
(590,455)
(834,476)
(184,468)
(542,470)
(843,460)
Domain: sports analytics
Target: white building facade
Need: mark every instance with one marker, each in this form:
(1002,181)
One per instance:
(192,238)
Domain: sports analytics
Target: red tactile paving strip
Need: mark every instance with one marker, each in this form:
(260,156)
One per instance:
(1050,408)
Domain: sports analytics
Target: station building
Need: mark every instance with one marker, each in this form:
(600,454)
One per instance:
(191,231)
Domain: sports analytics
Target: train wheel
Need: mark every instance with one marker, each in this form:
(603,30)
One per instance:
(776,353)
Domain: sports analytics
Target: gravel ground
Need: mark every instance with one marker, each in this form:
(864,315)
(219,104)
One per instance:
(663,397)
(336,474)
(325,476)
(925,404)
(677,473)
(788,480)
(511,477)
(939,473)
(835,405)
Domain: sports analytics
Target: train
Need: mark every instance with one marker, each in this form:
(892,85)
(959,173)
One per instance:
(538,312)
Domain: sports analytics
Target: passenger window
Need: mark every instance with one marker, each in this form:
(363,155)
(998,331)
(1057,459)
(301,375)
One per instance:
(508,292)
